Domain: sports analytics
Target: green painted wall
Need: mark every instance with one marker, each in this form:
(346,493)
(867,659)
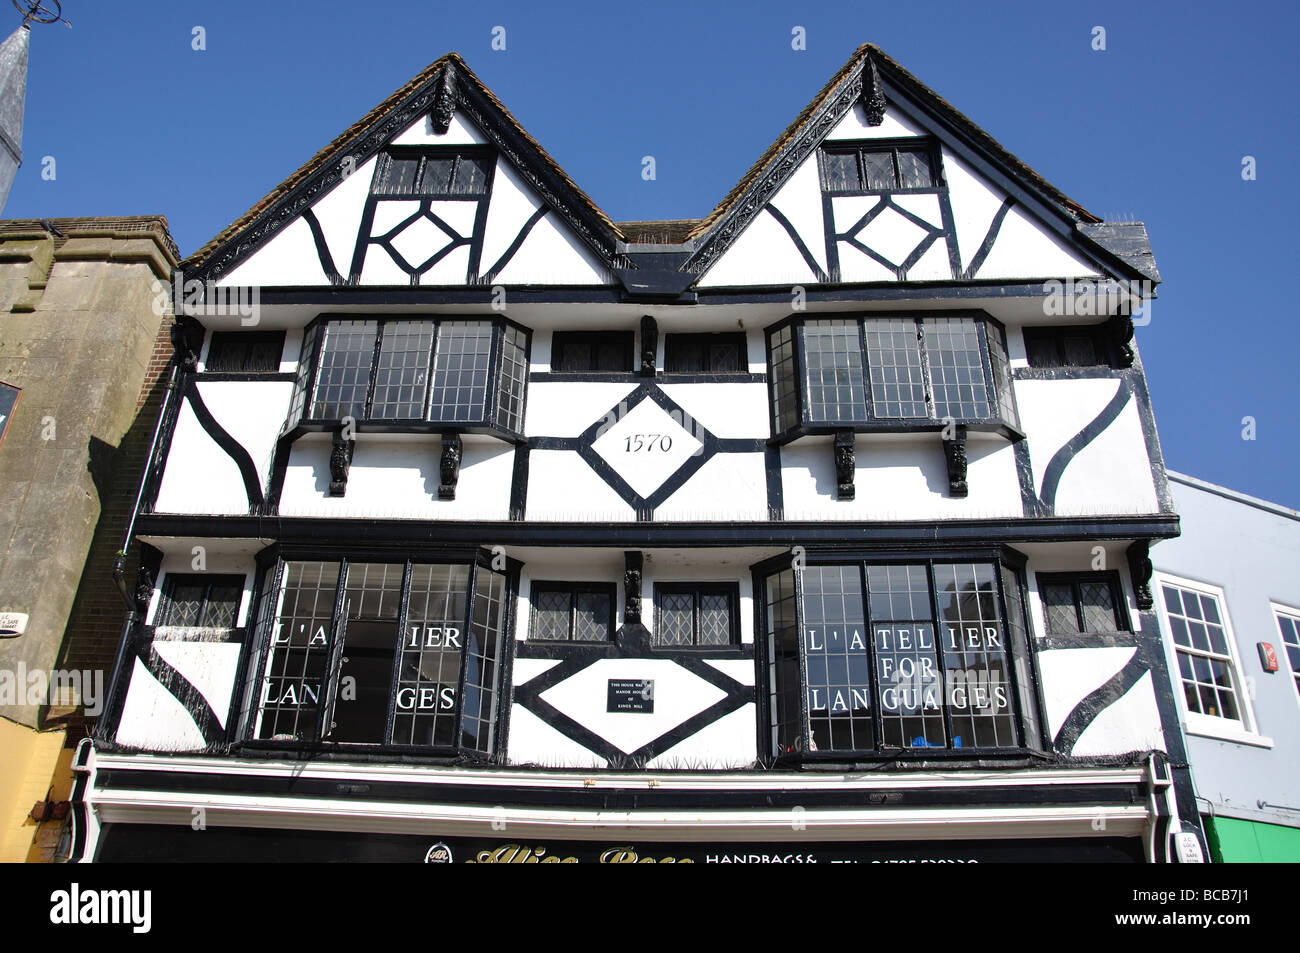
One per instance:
(1249,842)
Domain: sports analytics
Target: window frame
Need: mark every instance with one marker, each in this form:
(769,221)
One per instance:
(1110,577)
(1025,698)
(624,339)
(270,600)
(573,588)
(1036,336)
(307,379)
(1281,611)
(167,596)
(1244,730)
(219,339)
(1005,418)
(697,589)
(860,147)
(675,340)
(423,154)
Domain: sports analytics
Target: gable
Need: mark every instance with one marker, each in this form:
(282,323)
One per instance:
(977,217)
(354,216)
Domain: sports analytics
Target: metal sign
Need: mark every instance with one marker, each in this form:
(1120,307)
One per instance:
(636,695)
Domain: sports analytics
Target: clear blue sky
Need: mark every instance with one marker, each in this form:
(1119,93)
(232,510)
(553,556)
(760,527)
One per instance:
(1154,127)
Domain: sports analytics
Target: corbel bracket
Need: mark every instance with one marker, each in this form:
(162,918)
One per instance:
(845,464)
(954,453)
(1140,568)
(1121,329)
(649,345)
(444,101)
(873,95)
(633,563)
(341,450)
(449,466)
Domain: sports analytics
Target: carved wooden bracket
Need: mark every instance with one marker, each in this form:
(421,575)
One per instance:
(649,345)
(633,562)
(1121,328)
(1140,568)
(449,466)
(954,452)
(873,96)
(444,101)
(845,463)
(187,341)
(340,462)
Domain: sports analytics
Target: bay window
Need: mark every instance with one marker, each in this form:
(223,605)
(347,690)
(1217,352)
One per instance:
(866,659)
(411,374)
(400,654)
(897,372)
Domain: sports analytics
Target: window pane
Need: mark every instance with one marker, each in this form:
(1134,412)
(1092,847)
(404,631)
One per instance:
(975,656)
(838,689)
(470,177)
(551,614)
(704,353)
(1059,608)
(437,175)
(295,668)
(345,364)
(483,657)
(1001,372)
(513,380)
(780,364)
(591,616)
(958,385)
(222,608)
(911,693)
(676,618)
(1098,602)
(894,359)
(841,171)
(429,668)
(783,663)
(397,176)
(302,376)
(879,168)
(460,372)
(402,375)
(715,619)
(832,353)
(914,168)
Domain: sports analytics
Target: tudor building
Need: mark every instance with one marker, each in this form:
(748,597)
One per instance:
(815,528)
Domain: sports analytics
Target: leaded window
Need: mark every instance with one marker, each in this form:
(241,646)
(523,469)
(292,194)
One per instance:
(878,167)
(695,615)
(1081,602)
(888,372)
(572,612)
(722,353)
(200,600)
(405,372)
(403,172)
(871,658)
(574,352)
(386,654)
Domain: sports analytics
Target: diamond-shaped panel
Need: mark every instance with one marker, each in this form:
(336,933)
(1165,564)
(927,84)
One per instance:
(892,235)
(420,241)
(646,447)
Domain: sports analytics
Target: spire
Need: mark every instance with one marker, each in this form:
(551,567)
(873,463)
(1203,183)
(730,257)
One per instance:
(13,94)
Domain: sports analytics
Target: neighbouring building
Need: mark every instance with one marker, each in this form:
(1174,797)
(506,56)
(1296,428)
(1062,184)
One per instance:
(1229,603)
(482,527)
(83,342)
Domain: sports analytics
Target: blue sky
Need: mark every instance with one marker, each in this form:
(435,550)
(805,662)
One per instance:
(1154,127)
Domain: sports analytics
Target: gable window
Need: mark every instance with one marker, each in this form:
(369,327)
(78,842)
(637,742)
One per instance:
(1086,346)
(1082,602)
(878,657)
(591,351)
(391,654)
(200,600)
(572,612)
(705,353)
(411,172)
(244,352)
(878,167)
(695,615)
(1208,671)
(1288,623)
(894,372)
(472,374)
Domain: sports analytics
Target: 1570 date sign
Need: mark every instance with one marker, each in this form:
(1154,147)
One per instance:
(648,442)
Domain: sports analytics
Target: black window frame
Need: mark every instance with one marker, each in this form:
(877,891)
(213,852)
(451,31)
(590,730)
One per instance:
(422,154)
(676,343)
(572,589)
(494,419)
(593,340)
(999,392)
(255,674)
(167,596)
(218,361)
(1023,678)
(860,148)
(1046,347)
(1110,578)
(697,589)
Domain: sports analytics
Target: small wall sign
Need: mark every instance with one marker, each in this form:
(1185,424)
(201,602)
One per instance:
(12,624)
(1268,656)
(8,400)
(634,694)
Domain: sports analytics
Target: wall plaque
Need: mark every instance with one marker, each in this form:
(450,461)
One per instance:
(635,694)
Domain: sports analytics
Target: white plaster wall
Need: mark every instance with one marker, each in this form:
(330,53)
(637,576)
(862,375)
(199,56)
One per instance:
(725,410)
(287,259)
(1131,724)
(533,741)
(513,202)
(1025,249)
(1068,676)
(974,203)
(730,486)
(800,201)
(199,476)
(900,477)
(566,408)
(730,742)
(552,255)
(153,719)
(339,214)
(853,125)
(252,412)
(397,476)
(763,255)
(460,132)
(561,486)
(1112,474)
